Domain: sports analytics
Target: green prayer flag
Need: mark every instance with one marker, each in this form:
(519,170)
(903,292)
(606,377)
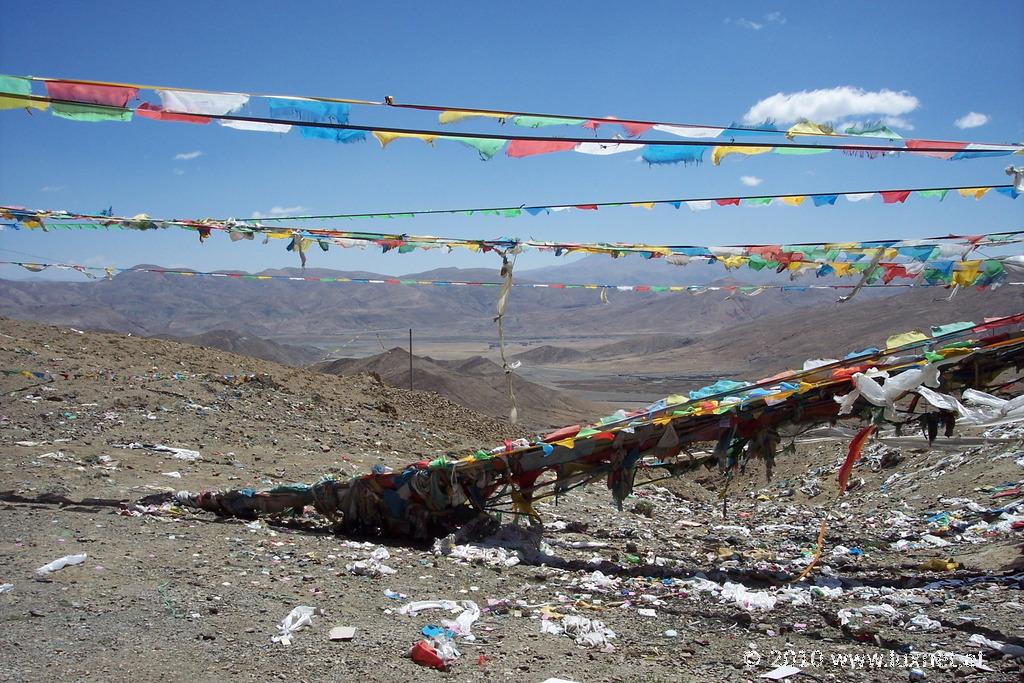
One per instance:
(18,86)
(540,121)
(758,201)
(941,194)
(90,112)
(800,151)
(487,147)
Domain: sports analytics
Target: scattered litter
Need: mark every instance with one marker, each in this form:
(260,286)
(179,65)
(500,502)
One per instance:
(748,599)
(780,673)
(60,563)
(342,633)
(298,618)
(462,626)
(175,474)
(922,622)
(995,645)
(938,565)
(584,631)
(178,453)
(436,654)
(372,566)
(6,588)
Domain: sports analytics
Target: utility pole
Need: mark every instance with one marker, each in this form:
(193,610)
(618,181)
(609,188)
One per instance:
(410,359)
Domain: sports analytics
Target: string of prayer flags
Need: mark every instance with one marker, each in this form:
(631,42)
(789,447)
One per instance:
(323,118)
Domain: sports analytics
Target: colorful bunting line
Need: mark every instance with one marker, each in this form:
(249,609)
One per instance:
(748,290)
(943,259)
(897,196)
(448,114)
(330,121)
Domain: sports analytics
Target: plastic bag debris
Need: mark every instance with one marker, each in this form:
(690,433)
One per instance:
(6,588)
(780,673)
(60,563)
(490,556)
(995,645)
(425,654)
(747,599)
(372,566)
(462,625)
(177,453)
(922,622)
(584,631)
(298,618)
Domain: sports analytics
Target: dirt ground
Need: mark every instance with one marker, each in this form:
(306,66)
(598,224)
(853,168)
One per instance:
(167,594)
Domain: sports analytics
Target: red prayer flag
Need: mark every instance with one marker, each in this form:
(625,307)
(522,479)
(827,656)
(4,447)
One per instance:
(152,111)
(110,95)
(934,144)
(895,196)
(586,207)
(893,271)
(727,202)
(634,130)
(526,148)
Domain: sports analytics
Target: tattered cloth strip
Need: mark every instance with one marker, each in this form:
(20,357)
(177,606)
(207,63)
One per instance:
(506,288)
(430,498)
(603,289)
(853,455)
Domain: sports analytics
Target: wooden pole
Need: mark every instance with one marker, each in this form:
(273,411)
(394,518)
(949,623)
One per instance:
(410,359)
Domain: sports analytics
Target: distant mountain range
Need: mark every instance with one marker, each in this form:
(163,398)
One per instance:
(309,313)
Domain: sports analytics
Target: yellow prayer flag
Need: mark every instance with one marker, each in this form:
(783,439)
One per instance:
(976,192)
(18,103)
(386,138)
(724,151)
(808,128)
(795,200)
(456,116)
(905,338)
(966,272)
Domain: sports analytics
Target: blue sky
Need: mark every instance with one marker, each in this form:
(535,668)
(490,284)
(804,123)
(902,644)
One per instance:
(686,62)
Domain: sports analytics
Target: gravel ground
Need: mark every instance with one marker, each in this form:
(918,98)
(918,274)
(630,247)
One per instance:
(168,594)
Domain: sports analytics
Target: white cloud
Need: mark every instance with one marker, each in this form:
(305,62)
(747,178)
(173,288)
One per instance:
(971,120)
(897,122)
(52,188)
(830,104)
(188,156)
(278,211)
(757,25)
(750,180)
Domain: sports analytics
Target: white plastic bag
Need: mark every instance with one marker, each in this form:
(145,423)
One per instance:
(298,618)
(60,563)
